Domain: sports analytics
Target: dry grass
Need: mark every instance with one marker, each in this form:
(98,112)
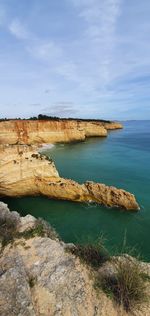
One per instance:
(127,286)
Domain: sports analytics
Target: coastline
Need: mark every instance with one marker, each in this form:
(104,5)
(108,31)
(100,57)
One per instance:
(119,160)
(43,147)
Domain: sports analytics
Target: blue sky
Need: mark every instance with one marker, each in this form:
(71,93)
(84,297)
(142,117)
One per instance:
(77,58)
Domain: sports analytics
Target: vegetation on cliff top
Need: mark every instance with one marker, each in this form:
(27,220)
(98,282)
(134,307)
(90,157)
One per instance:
(9,232)
(92,253)
(54,118)
(126,285)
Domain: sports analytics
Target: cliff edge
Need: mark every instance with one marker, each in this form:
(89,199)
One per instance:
(40,277)
(52,131)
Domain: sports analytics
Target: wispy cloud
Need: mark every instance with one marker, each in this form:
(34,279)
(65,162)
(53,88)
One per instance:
(92,56)
(17,29)
(100,32)
(61,109)
(45,50)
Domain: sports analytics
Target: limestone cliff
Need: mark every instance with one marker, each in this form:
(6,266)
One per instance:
(25,172)
(112,125)
(20,167)
(39,277)
(31,132)
(52,131)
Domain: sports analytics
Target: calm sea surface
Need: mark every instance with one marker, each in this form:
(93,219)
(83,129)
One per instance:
(123,160)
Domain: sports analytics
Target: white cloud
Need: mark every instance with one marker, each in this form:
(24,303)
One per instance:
(46,50)
(91,57)
(18,30)
(101,20)
(61,109)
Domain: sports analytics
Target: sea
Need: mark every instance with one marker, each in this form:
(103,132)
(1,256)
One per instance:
(123,160)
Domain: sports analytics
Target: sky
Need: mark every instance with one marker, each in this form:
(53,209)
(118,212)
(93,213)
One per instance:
(75,58)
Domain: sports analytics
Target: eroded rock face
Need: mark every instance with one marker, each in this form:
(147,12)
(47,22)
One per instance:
(113,125)
(25,172)
(39,131)
(20,167)
(88,192)
(111,196)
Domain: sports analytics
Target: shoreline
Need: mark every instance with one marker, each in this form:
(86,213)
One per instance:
(43,147)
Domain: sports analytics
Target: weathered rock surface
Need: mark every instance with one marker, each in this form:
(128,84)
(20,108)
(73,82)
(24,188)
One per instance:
(38,132)
(38,277)
(20,167)
(25,172)
(113,125)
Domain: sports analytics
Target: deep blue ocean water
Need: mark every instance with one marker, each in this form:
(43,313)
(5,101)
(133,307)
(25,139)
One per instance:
(123,160)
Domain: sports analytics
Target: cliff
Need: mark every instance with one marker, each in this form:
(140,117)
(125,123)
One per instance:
(52,131)
(112,125)
(40,277)
(23,171)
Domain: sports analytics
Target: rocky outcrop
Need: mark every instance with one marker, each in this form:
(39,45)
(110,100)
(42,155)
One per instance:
(26,172)
(20,169)
(39,277)
(88,192)
(112,125)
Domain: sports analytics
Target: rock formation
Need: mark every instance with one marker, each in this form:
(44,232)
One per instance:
(23,171)
(112,125)
(39,277)
(52,131)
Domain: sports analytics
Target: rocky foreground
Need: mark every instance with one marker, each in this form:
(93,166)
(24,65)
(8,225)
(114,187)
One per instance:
(40,277)
(23,171)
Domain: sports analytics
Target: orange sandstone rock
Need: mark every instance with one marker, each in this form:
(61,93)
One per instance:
(52,131)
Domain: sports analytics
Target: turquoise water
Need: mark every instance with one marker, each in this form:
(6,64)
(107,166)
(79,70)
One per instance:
(122,160)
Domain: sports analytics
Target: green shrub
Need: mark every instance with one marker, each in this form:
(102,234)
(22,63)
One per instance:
(127,286)
(42,229)
(46,229)
(92,253)
(8,230)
